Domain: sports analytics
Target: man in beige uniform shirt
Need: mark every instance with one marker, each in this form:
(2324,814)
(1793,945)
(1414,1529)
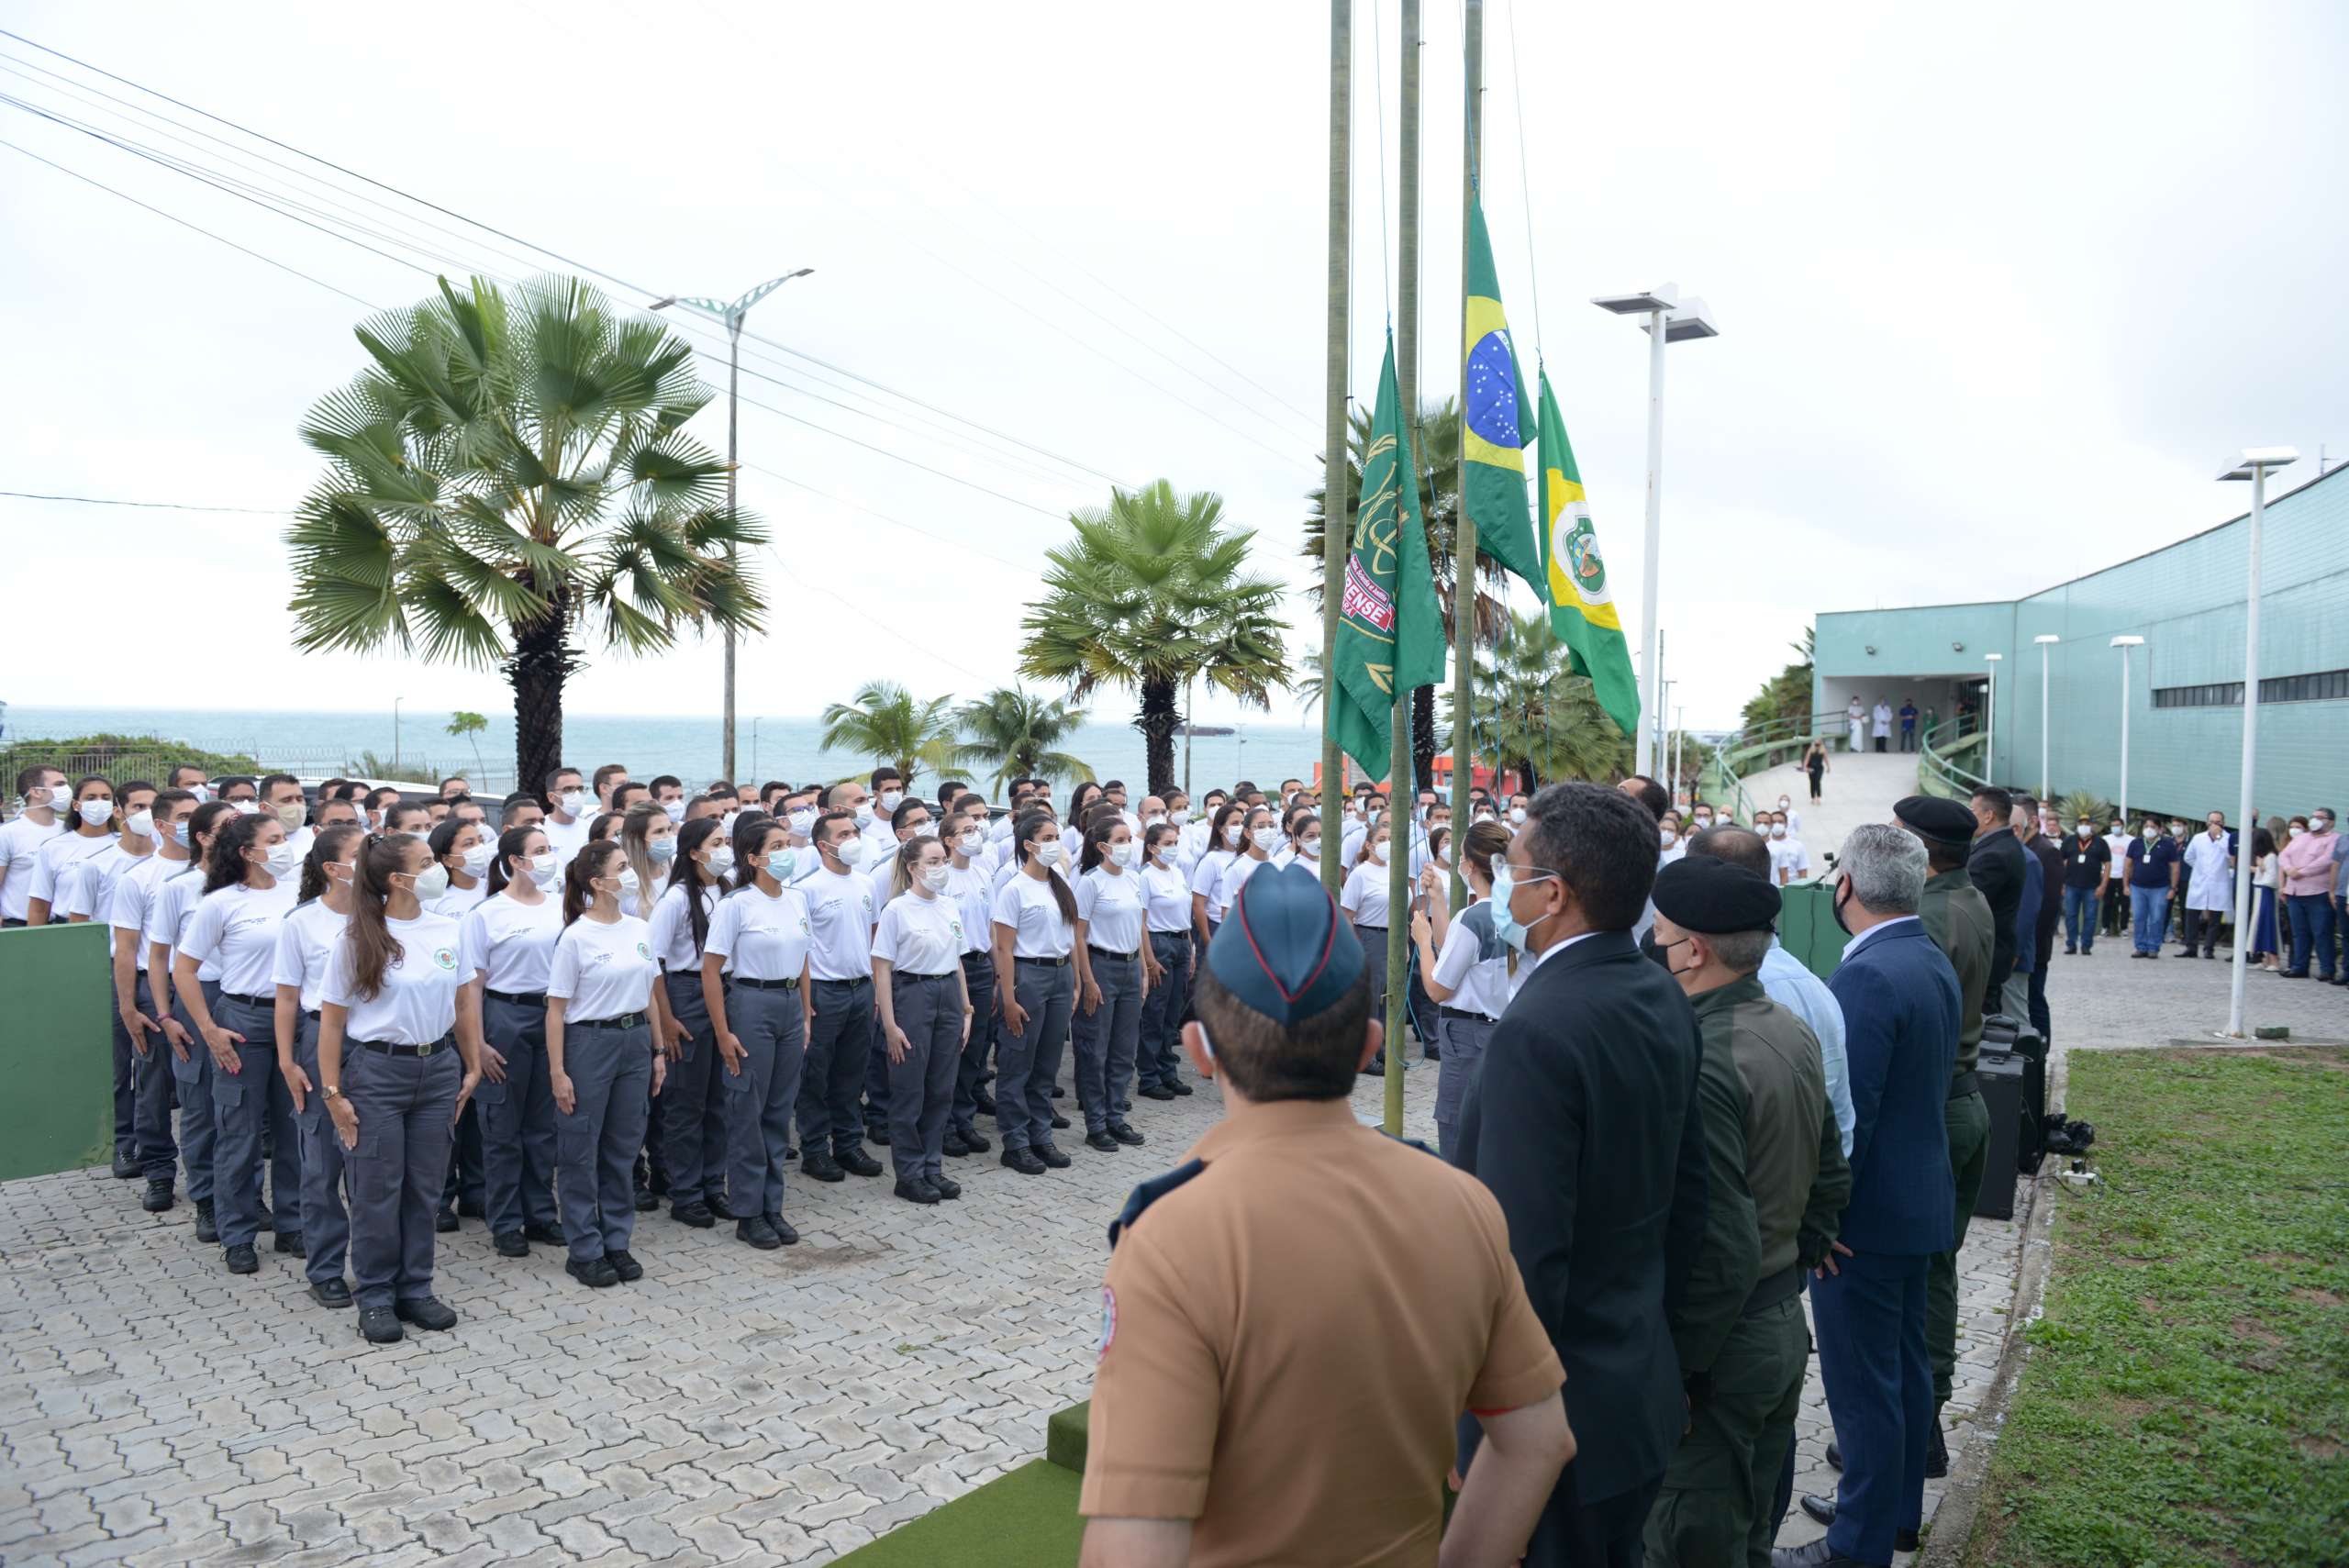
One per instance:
(1293,1318)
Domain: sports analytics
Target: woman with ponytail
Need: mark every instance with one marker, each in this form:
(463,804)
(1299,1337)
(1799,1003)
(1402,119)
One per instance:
(603,1013)
(924,1012)
(757,989)
(305,941)
(693,1104)
(191,1061)
(504,948)
(392,1005)
(462,855)
(1035,930)
(1107,1023)
(248,885)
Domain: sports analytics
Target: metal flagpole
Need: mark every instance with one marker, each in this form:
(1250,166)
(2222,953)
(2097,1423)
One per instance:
(1464,546)
(1335,508)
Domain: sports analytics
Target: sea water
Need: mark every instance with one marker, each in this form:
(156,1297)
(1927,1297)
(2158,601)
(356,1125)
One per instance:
(318,744)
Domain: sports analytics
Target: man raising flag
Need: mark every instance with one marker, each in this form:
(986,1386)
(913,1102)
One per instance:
(1582,606)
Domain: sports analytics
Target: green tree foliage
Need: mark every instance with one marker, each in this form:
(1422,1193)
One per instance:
(888,723)
(472,725)
(1534,716)
(120,758)
(1019,733)
(509,472)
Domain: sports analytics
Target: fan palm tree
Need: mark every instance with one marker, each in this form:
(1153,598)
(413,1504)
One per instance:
(1151,592)
(1439,444)
(508,471)
(1542,720)
(1020,731)
(889,724)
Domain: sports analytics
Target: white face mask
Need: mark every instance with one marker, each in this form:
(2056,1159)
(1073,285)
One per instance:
(2151,834)
(202,792)
(626,879)
(1670,838)
(141,823)
(576,802)
(1049,854)
(477,859)
(971,844)
(1310,850)
(245,807)
(799,820)
(95,811)
(2088,830)
(849,851)
(1178,815)
(864,815)
(892,798)
(660,852)
(1777,830)
(1703,821)
(1231,835)
(675,808)
(1123,856)
(431,883)
(721,861)
(726,823)
(1152,818)
(925,830)
(282,860)
(545,869)
(1376,852)
(1784,803)
(1517,814)
(1267,839)
(934,878)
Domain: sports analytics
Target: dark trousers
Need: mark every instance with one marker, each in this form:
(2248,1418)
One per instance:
(2201,930)
(2079,918)
(243,1102)
(191,1078)
(693,1104)
(326,1210)
(125,1091)
(1159,1053)
(2115,906)
(159,1152)
(1966,1119)
(1879,745)
(759,1097)
(1456,1071)
(406,1107)
(1817,777)
(1720,1479)
(1872,1357)
(517,1118)
(596,1146)
(1106,1041)
(1425,1020)
(1028,1061)
(928,1010)
(1908,737)
(464,1181)
(2311,916)
(837,1049)
(970,1071)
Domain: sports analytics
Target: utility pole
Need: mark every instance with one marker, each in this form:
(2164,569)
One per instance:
(1464,542)
(1401,781)
(1336,536)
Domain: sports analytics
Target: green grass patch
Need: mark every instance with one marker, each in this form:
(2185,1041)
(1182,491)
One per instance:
(2186,1401)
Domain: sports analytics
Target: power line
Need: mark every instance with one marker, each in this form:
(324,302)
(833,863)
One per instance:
(153,506)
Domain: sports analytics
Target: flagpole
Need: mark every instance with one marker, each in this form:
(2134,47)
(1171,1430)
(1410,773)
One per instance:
(1400,774)
(1464,546)
(1336,533)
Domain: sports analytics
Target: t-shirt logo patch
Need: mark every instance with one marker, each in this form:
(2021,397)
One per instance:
(644,951)
(803,925)
(1109,1320)
(955,926)
(445,957)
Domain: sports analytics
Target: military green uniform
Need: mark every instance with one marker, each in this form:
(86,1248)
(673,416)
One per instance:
(1777,1183)
(1957,917)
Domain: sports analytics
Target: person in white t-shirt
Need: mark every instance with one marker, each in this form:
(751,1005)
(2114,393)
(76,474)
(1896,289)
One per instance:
(757,989)
(925,1011)
(571,810)
(84,894)
(391,1084)
(1225,835)
(305,941)
(1789,861)
(141,1000)
(505,949)
(604,1011)
(46,804)
(1363,899)
(972,890)
(1034,932)
(693,1106)
(90,831)
(839,1041)
(1166,950)
(1465,968)
(463,851)
(170,906)
(1112,980)
(248,886)
(280,796)
(1260,836)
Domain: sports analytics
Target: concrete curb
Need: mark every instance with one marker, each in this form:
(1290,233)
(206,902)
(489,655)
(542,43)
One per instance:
(1953,1523)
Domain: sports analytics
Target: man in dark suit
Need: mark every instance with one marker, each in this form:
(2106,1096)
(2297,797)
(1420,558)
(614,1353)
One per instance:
(1995,868)
(1585,1124)
(1900,1005)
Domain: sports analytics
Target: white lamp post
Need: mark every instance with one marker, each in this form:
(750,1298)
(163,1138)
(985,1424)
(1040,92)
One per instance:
(2045,772)
(1990,721)
(2124,644)
(2255,466)
(1668,320)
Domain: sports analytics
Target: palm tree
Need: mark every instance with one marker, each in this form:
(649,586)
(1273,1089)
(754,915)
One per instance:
(887,722)
(471,725)
(506,471)
(1020,731)
(1543,721)
(1149,594)
(1439,444)
(1786,696)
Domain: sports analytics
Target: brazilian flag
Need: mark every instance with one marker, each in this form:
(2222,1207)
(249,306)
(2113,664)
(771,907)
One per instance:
(1390,630)
(1582,606)
(1497,419)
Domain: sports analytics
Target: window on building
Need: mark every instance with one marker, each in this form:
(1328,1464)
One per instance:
(2321,686)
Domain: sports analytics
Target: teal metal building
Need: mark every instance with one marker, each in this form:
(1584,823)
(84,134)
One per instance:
(2185,684)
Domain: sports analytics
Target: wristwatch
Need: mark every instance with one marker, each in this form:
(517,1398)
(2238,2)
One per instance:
(331,1091)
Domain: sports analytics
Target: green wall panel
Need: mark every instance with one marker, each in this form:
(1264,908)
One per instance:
(57,1037)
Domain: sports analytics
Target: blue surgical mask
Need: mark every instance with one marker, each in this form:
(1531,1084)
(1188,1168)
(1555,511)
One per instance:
(660,850)
(1505,923)
(179,834)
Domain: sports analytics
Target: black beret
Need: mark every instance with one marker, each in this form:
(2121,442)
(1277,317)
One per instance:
(1285,950)
(1700,894)
(1937,821)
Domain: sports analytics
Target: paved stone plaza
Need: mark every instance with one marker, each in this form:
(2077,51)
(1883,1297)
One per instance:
(734,1406)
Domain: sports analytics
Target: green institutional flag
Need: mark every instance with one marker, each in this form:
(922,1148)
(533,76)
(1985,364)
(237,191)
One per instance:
(1582,606)
(1390,631)
(1495,422)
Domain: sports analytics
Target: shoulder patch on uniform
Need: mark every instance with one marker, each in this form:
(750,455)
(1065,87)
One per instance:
(1149,1192)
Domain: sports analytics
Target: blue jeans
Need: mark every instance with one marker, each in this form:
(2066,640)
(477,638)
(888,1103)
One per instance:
(2079,918)
(2311,915)
(2148,917)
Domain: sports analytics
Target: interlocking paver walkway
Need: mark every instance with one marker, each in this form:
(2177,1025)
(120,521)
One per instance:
(733,1406)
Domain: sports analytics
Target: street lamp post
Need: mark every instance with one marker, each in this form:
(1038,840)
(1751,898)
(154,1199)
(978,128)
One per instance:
(1990,721)
(2124,643)
(2045,640)
(395,732)
(2255,466)
(732,316)
(1667,320)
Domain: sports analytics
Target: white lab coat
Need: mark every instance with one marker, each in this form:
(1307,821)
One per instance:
(2207,881)
(1883,721)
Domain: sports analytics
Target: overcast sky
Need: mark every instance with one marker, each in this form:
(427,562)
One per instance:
(2000,286)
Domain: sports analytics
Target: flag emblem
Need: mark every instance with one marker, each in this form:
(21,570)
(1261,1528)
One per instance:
(1577,542)
(1492,390)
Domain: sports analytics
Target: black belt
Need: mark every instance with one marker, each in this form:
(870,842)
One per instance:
(12,924)
(790,984)
(311,1014)
(518,998)
(859,980)
(1380,930)
(622,1021)
(1768,1293)
(1112,953)
(980,960)
(1048,963)
(392,1048)
(1463,1014)
(1181,934)
(1965,1084)
(916,974)
(248,1001)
